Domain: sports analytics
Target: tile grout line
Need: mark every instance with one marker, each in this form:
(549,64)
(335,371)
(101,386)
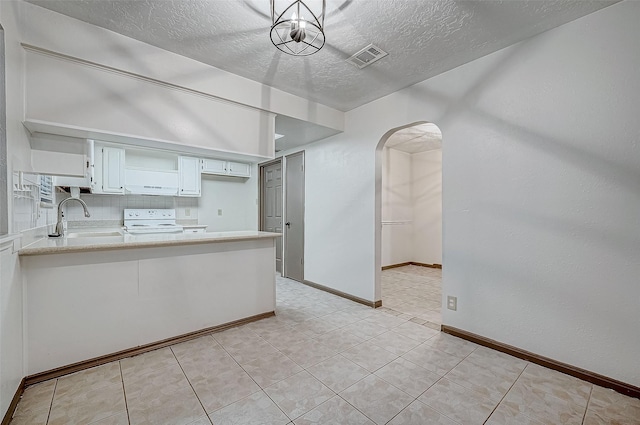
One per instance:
(506,393)
(262,389)
(361,412)
(440,379)
(586,409)
(305,369)
(124,392)
(232,358)
(555,397)
(190,385)
(373,374)
(55,387)
(243,369)
(249,375)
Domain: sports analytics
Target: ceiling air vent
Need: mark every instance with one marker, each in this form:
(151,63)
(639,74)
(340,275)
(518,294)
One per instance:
(367,56)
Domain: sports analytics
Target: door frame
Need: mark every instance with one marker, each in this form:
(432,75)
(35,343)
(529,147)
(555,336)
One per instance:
(284,210)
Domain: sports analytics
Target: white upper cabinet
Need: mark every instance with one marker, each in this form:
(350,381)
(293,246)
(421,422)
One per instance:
(189,172)
(239,169)
(214,166)
(226,168)
(112,171)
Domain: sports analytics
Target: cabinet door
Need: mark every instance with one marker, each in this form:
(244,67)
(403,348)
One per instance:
(214,166)
(239,169)
(112,170)
(189,172)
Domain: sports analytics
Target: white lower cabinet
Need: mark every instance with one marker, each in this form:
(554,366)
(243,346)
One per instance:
(189,173)
(157,292)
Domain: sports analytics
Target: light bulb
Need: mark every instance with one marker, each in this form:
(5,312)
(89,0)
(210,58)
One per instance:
(297,32)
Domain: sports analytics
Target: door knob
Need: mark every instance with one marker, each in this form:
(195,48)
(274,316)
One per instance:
(288,224)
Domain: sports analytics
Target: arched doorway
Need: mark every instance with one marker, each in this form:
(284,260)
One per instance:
(409,222)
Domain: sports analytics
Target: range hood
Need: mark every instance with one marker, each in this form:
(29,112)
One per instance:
(151,182)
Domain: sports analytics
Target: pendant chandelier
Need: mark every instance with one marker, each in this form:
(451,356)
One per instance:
(297,29)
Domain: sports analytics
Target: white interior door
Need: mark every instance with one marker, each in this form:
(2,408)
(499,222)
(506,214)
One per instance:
(272,205)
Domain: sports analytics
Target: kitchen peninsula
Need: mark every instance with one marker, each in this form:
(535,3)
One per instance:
(88,297)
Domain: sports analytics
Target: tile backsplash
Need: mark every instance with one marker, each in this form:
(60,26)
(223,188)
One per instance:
(28,211)
(106,210)
(110,208)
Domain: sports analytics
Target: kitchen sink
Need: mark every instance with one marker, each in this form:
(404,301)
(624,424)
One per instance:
(92,234)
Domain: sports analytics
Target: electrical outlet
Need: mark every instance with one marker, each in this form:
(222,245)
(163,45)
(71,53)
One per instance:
(220,212)
(452,303)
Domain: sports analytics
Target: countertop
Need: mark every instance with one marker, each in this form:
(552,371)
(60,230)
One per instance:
(98,243)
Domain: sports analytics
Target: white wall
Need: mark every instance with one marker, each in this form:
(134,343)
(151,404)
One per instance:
(426,195)
(540,193)
(411,195)
(65,96)
(237,198)
(397,207)
(18,157)
(18,149)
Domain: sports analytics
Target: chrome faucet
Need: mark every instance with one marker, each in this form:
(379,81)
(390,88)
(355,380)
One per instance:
(59,225)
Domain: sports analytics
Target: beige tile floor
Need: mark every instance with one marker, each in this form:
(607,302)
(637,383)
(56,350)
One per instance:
(323,360)
(415,293)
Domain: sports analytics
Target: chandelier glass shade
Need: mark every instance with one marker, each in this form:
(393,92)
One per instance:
(298,29)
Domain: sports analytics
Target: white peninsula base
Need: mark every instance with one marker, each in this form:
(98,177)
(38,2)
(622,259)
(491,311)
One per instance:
(82,305)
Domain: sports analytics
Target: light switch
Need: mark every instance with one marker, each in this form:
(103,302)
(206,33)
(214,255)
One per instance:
(219,211)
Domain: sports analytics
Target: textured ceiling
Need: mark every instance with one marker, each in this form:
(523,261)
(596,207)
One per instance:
(423,37)
(419,138)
